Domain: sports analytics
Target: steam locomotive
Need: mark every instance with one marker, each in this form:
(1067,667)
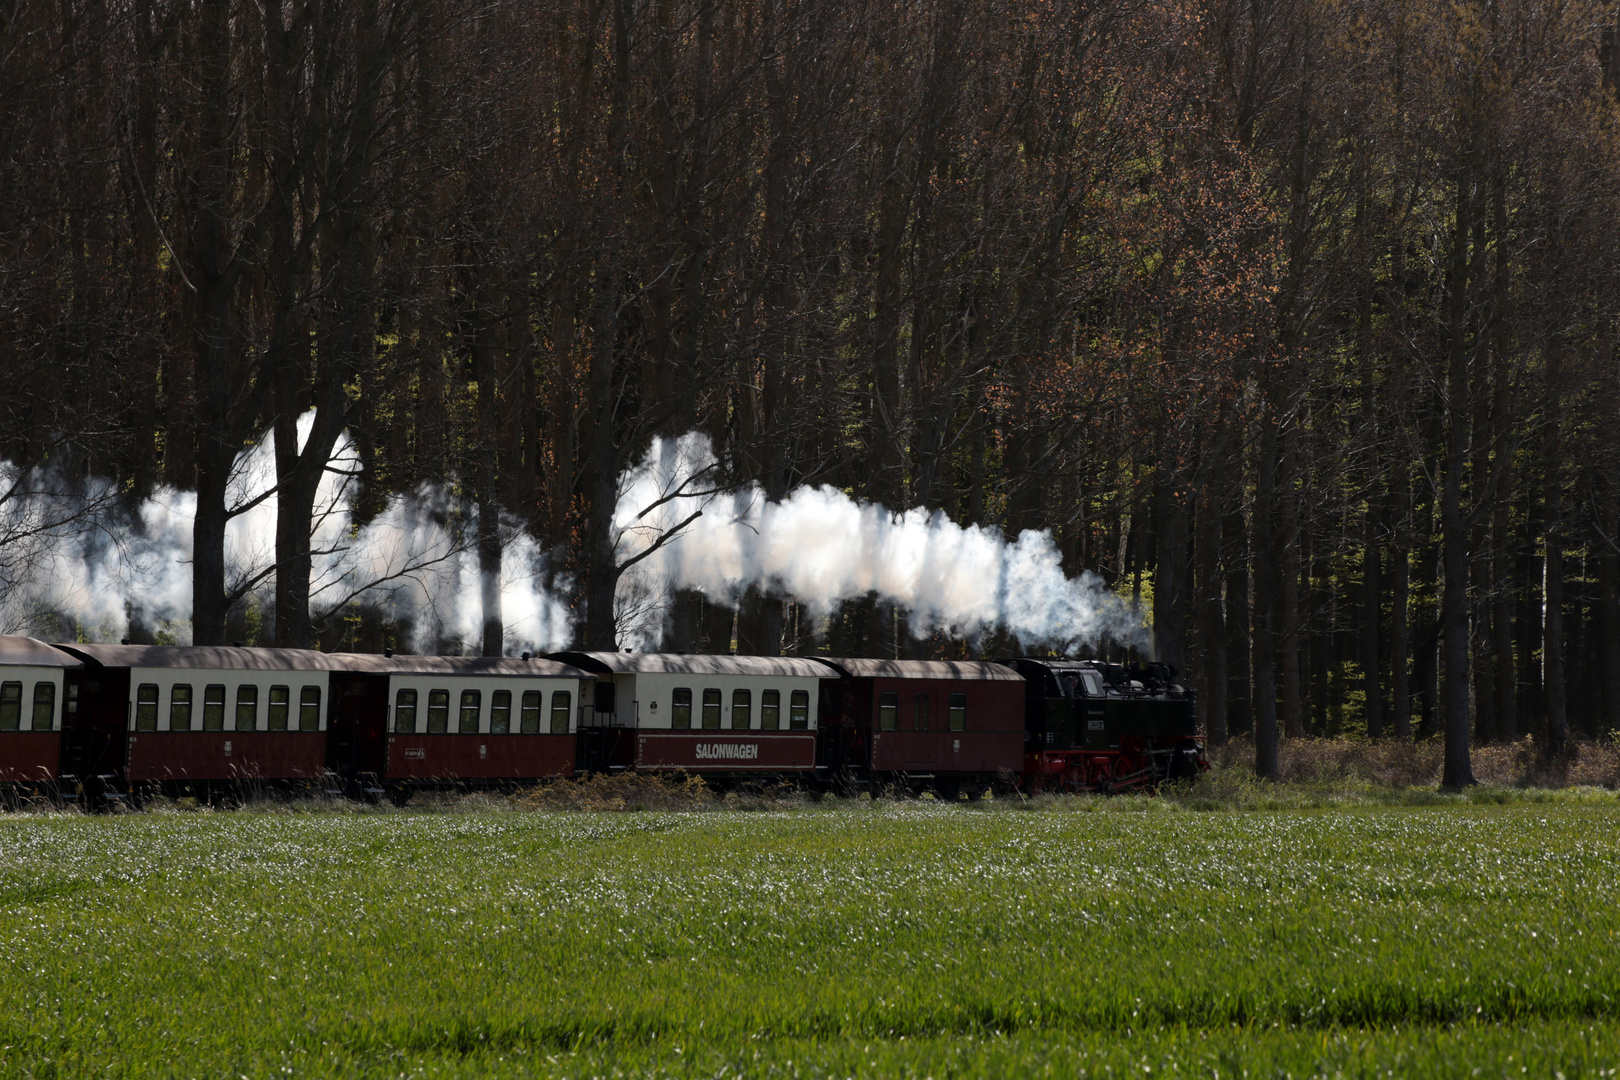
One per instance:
(104,724)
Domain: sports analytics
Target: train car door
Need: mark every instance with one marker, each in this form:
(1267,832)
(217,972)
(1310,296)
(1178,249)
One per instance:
(927,726)
(608,742)
(95,721)
(357,725)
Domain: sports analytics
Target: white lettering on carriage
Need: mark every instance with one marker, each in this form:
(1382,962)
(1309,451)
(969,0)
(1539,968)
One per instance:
(736,751)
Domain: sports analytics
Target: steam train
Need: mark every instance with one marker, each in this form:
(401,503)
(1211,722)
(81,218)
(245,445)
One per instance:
(103,724)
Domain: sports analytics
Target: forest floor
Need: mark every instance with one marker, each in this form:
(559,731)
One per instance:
(851,938)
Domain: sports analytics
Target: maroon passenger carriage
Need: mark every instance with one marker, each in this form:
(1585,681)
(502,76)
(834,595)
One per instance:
(726,717)
(188,718)
(32,685)
(952,726)
(194,719)
(406,722)
(829,723)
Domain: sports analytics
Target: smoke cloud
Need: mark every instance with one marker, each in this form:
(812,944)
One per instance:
(822,547)
(84,554)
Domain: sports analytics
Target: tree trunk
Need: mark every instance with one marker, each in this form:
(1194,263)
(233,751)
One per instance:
(1212,632)
(1608,606)
(1459,770)
(1400,615)
(1372,613)
(1263,547)
(1507,680)
(208,604)
(1167,583)
(1552,627)
(759,624)
(1293,699)
(1240,702)
(1482,646)
(493,625)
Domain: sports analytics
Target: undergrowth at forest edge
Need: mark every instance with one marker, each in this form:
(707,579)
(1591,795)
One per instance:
(857,938)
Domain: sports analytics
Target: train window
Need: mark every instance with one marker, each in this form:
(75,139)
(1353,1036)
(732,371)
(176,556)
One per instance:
(180,707)
(405,712)
(280,702)
(500,712)
(888,710)
(10,706)
(770,710)
(309,709)
(919,712)
(1093,683)
(471,705)
(146,701)
(44,706)
(438,712)
(958,704)
(742,708)
(562,704)
(680,710)
(247,708)
(711,710)
(530,718)
(214,707)
(799,712)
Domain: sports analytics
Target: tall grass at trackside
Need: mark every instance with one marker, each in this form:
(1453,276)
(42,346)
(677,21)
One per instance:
(851,938)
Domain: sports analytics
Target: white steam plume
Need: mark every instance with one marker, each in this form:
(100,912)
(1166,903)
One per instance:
(821,547)
(73,552)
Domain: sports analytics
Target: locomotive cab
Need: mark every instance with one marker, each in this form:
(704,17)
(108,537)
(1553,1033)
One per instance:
(1090,725)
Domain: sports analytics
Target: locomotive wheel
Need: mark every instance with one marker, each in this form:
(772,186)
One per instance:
(1104,773)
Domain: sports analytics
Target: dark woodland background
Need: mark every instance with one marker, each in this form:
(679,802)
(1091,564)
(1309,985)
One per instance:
(1298,316)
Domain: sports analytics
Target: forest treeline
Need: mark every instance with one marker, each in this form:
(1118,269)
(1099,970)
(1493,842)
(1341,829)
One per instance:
(1296,317)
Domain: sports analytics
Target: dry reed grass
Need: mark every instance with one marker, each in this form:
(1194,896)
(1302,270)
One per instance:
(620,791)
(1396,763)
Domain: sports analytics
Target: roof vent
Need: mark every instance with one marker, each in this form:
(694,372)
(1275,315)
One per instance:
(525,656)
(388,653)
(123,641)
(238,644)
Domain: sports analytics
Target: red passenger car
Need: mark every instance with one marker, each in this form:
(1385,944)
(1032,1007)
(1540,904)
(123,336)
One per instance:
(725,716)
(950,725)
(404,722)
(32,677)
(183,716)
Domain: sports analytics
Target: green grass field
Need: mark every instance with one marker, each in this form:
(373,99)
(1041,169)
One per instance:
(1462,939)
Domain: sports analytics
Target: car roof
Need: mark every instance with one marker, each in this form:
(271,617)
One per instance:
(1059,663)
(18,650)
(213,657)
(862,668)
(407,664)
(238,658)
(692,664)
